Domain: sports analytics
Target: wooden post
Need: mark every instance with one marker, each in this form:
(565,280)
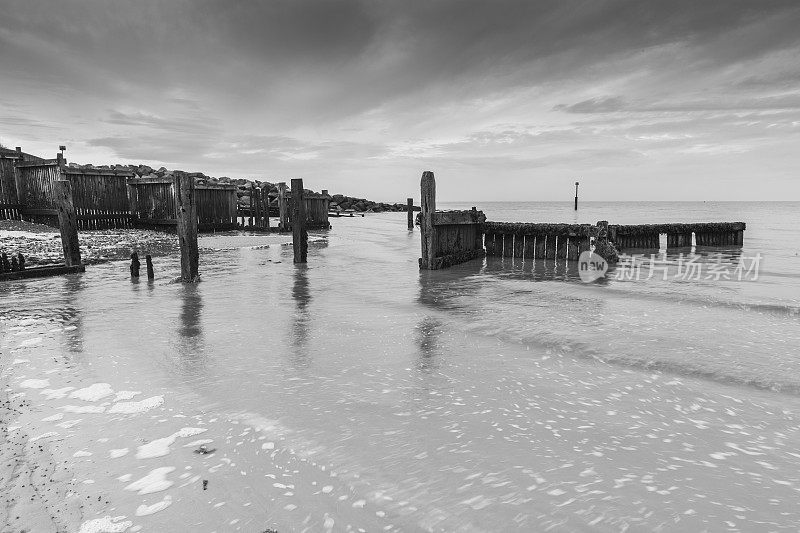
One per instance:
(576,196)
(257,204)
(150,273)
(135,265)
(299,233)
(68,222)
(410,214)
(283,212)
(187,226)
(530,247)
(428,206)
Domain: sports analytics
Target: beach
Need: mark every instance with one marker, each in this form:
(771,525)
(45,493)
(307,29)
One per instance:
(357,393)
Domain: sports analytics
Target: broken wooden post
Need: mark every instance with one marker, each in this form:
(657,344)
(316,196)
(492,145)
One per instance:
(14,264)
(21,261)
(150,273)
(410,209)
(135,265)
(187,226)
(68,222)
(5,265)
(299,233)
(283,212)
(427,204)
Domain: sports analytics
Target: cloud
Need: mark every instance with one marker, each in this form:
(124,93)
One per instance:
(352,88)
(607,104)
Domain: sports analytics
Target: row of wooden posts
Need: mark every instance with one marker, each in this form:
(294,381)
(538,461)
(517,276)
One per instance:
(186,229)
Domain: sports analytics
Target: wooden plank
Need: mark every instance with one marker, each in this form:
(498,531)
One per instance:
(449,218)
(489,244)
(41,272)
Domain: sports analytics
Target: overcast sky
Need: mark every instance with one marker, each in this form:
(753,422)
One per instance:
(503,100)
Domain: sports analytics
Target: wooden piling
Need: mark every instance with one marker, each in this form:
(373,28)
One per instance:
(541,246)
(68,222)
(550,251)
(573,250)
(135,265)
(508,245)
(519,245)
(530,247)
(488,243)
(186,202)
(299,233)
(410,210)
(561,247)
(283,211)
(427,203)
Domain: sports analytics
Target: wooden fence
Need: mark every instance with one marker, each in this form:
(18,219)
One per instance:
(153,204)
(648,236)
(100,196)
(316,208)
(538,241)
(9,201)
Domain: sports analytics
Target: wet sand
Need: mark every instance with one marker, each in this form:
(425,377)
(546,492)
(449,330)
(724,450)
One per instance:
(356,393)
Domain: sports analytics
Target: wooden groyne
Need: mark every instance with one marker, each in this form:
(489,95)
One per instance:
(118,198)
(678,235)
(453,237)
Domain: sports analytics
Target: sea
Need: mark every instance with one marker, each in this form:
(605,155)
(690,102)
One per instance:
(358,393)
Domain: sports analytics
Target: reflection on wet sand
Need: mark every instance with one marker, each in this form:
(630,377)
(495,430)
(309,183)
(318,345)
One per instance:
(191,341)
(301,295)
(73,333)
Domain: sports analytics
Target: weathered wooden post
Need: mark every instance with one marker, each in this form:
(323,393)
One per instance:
(68,222)
(576,196)
(283,212)
(21,261)
(299,233)
(410,209)
(428,209)
(187,226)
(135,265)
(150,272)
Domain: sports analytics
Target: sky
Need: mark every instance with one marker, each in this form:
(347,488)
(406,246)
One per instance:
(502,100)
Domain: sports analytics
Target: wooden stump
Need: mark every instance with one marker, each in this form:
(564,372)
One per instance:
(410,209)
(428,205)
(299,233)
(187,226)
(68,222)
(150,273)
(135,265)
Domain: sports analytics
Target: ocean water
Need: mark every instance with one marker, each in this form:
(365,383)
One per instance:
(358,393)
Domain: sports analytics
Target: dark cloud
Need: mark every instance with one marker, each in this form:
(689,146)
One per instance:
(309,85)
(607,104)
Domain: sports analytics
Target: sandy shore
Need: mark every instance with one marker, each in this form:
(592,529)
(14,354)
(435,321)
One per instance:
(36,488)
